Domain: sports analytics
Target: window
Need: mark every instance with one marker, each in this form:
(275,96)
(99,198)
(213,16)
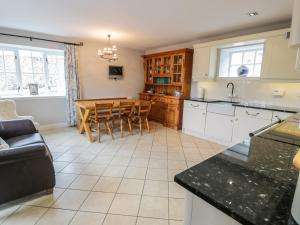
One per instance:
(20,67)
(241,61)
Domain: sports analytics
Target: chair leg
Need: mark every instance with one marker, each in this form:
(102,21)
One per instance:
(147,124)
(106,128)
(129,125)
(109,130)
(98,132)
(113,125)
(49,191)
(140,123)
(121,126)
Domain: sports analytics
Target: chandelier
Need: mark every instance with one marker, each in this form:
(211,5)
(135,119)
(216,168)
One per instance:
(108,52)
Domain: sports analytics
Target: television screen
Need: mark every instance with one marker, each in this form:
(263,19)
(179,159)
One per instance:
(116,71)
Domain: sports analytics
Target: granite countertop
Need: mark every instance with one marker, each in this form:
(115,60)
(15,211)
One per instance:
(254,184)
(251,105)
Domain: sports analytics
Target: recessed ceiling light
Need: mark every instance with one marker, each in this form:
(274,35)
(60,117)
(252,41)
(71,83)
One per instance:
(253,14)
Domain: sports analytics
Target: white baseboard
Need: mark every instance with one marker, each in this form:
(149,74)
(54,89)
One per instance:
(52,126)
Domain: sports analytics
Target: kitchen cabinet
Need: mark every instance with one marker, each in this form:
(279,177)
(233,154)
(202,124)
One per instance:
(280,115)
(279,61)
(158,112)
(248,120)
(201,64)
(219,127)
(172,116)
(194,117)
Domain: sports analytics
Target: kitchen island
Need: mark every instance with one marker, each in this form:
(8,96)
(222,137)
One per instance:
(249,183)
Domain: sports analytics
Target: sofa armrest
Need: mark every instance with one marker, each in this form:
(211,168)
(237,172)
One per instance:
(14,128)
(23,153)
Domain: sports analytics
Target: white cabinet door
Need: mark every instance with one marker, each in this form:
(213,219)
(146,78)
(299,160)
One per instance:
(219,127)
(201,62)
(279,60)
(243,126)
(194,117)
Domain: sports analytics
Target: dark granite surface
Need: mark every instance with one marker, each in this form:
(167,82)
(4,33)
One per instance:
(251,105)
(253,184)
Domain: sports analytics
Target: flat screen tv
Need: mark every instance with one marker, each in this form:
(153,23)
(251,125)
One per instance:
(115,72)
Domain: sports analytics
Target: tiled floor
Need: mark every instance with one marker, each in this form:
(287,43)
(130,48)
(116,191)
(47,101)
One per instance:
(128,181)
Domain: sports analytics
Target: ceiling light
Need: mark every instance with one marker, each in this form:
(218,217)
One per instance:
(108,52)
(253,14)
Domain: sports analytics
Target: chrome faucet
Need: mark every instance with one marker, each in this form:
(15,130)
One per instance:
(232,90)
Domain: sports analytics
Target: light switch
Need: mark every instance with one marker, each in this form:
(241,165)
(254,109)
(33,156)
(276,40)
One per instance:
(278,93)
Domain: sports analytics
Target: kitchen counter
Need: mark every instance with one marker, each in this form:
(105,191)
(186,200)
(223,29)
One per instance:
(253,184)
(252,105)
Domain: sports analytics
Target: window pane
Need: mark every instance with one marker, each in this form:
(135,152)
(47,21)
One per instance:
(259,56)
(38,62)
(2,81)
(25,61)
(257,70)
(1,62)
(233,71)
(236,58)
(56,79)
(12,82)
(27,78)
(249,57)
(250,73)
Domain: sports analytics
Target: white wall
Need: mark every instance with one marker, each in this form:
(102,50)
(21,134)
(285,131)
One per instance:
(93,75)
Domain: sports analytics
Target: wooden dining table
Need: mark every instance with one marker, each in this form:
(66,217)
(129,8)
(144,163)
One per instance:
(86,106)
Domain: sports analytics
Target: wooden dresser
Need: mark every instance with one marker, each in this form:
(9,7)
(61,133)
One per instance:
(167,78)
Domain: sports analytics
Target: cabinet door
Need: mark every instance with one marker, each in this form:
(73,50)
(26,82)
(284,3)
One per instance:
(157,112)
(279,60)
(172,116)
(194,119)
(177,68)
(201,63)
(219,127)
(243,126)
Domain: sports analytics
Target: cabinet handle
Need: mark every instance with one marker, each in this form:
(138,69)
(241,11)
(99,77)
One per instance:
(196,106)
(250,114)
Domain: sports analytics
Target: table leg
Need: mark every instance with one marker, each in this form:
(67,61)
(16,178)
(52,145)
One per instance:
(84,126)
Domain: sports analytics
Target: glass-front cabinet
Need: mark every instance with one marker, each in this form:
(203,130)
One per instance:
(178,61)
(149,71)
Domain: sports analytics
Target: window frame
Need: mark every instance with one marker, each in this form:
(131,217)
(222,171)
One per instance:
(240,45)
(45,52)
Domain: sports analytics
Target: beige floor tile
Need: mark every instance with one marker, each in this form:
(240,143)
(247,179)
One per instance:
(173,173)
(119,220)
(59,166)
(88,218)
(154,207)
(67,157)
(120,161)
(114,171)
(84,158)
(151,221)
(176,209)
(63,180)
(97,202)
(131,186)
(156,188)
(108,184)
(45,200)
(135,173)
(158,163)
(94,169)
(139,162)
(175,164)
(145,155)
(124,204)
(84,182)
(176,222)
(157,174)
(70,199)
(6,211)
(159,155)
(57,217)
(175,190)
(75,168)
(102,160)
(26,215)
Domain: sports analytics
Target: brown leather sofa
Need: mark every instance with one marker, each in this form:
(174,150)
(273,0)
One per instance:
(27,166)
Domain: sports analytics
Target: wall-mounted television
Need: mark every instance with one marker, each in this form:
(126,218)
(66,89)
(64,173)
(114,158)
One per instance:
(115,72)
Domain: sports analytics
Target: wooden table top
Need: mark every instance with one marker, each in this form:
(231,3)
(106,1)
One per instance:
(90,104)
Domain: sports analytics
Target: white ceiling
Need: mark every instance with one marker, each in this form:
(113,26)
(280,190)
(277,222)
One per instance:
(141,24)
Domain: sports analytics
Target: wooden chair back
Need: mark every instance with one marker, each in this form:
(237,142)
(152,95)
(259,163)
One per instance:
(103,111)
(126,108)
(144,108)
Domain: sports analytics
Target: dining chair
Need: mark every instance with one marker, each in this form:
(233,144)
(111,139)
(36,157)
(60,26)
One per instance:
(142,113)
(124,115)
(102,114)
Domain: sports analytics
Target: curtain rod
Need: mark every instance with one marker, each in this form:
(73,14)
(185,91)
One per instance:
(42,39)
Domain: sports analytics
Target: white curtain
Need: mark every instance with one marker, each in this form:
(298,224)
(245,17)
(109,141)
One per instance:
(72,82)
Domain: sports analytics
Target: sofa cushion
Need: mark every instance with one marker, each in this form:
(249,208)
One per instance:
(23,140)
